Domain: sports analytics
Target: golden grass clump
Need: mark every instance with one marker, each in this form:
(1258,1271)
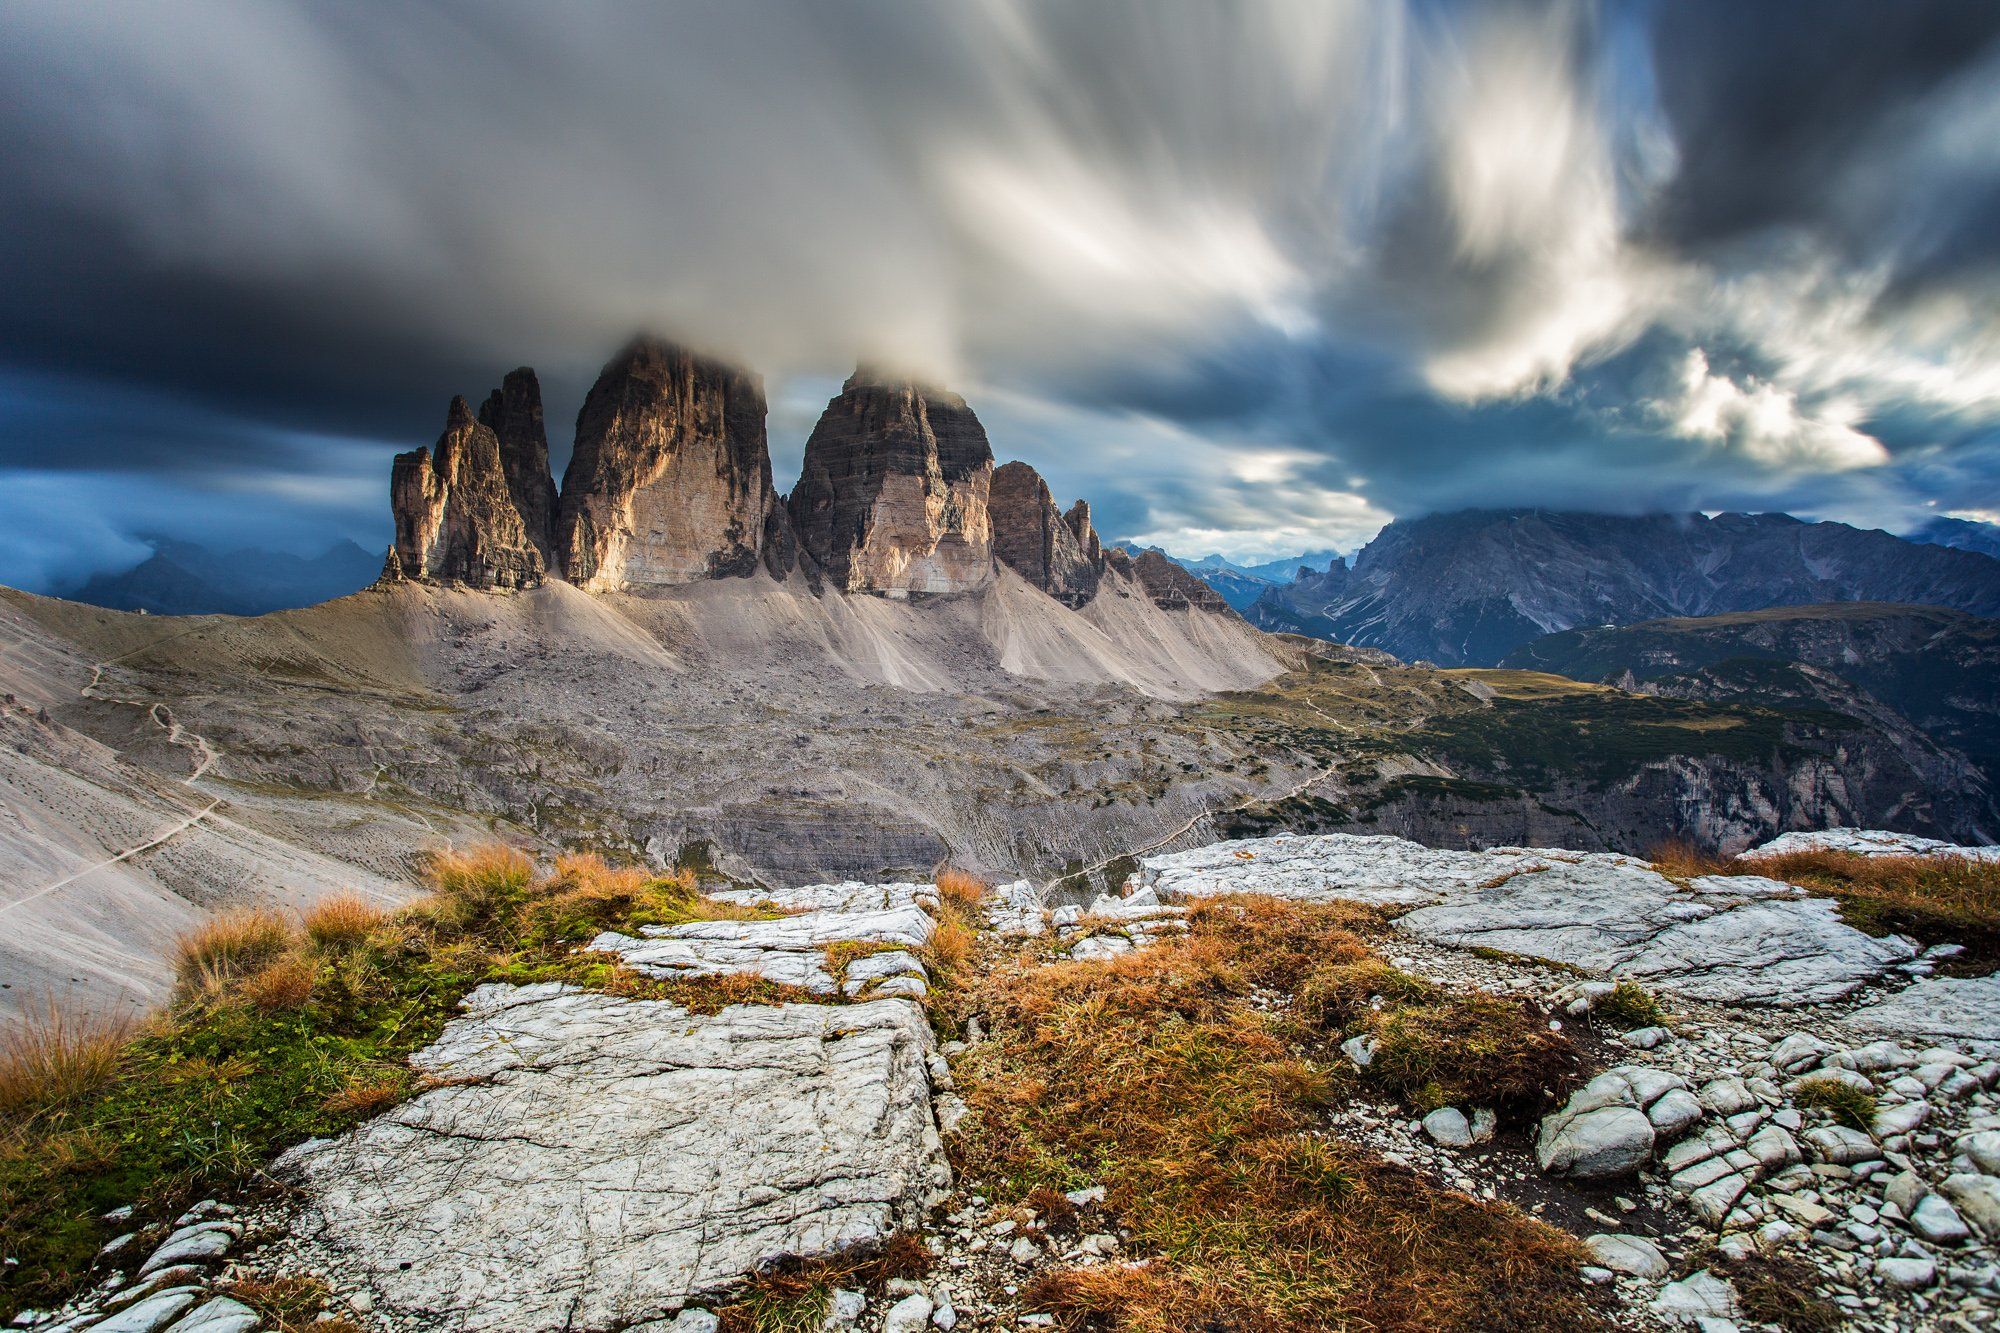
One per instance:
(366,1096)
(1158,1076)
(961,887)
(226,948)
(285,984)
(341,921)
(53,1056)
(1680,858)
(477,887)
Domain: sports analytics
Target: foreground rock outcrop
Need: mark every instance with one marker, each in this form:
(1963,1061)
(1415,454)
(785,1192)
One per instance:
(1738,939)
(894,495)
(594,1161)
(455,515)
(670,481)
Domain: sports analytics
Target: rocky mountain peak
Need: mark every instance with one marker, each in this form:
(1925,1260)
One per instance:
(455,517)
(513,412)
(1032,537)
(894,494)
(670,481)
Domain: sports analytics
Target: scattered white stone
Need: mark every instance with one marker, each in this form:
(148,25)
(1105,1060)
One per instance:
(845,1308)
(1938,1222)
(1907,1272)
(1449,1128)
(1977,1198)
(1700,1295)
(1634,1256)
(200,1243)
(151,1314)
(912,1314)
(220,1315)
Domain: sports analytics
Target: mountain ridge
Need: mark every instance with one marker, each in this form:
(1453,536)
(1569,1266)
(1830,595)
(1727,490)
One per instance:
(1467,588)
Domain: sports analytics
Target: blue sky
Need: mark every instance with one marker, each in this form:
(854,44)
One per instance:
(1250,277)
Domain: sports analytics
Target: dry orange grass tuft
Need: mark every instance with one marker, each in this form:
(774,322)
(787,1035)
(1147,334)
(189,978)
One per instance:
(951,947)
(341,921)
(479,869)
(53,1057)
(226,948)
(285,984)
(1157,1076)
(961,887)
(365,1097)
(1678,858)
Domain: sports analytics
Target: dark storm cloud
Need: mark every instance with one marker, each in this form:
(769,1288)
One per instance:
(1253,276)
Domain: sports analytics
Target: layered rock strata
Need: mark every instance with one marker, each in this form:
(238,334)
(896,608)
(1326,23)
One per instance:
(455,517)
(671,478)
(1034,538)
(895,490)
(513,412)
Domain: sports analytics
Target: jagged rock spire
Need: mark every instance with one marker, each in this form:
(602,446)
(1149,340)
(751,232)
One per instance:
(455,519)
(513,412)
(893,497)
(670,481)
(1032,537)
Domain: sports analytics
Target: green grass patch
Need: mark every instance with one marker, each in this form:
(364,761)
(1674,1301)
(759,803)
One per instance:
(281,1033)
(1847,1104)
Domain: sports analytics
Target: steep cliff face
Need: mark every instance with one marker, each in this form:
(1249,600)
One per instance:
(895,490)
(671,478)
(1468,588)
(1038,542)
(513,412)
(455,518)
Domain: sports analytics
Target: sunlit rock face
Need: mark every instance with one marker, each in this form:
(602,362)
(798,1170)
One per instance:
(455,518)
(895,490)
(1032,537)
(513,412)
(671,478)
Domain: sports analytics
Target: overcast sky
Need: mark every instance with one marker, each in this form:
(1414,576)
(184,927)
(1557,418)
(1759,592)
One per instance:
(1250,277)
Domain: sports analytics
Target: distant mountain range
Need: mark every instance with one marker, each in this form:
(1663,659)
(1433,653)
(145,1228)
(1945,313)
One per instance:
(185,579)
(1469,588)
(1961,533)
(1241,585)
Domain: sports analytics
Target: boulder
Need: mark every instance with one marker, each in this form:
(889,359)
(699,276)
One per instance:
(1594,1144)
(1634,1256)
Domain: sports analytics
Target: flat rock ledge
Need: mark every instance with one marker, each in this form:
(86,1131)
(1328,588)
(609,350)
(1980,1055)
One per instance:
(789,950)
(1738,939)
(594,1162)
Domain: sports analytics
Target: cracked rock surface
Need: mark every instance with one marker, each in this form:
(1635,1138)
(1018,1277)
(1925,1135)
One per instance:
(595,1161)
(1734,939)
(789,950)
